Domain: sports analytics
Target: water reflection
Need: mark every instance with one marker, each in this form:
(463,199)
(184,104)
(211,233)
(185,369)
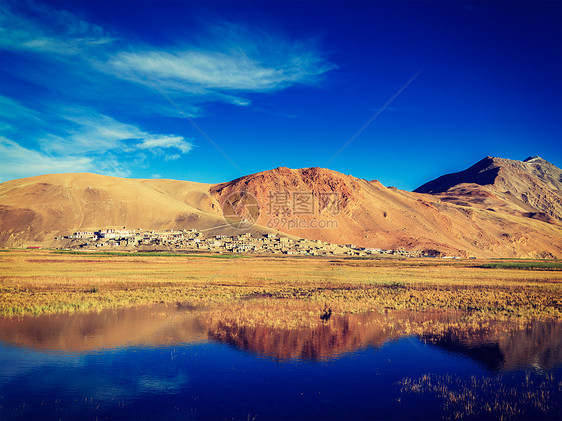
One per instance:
(170,362)
(286,333)
(83,332)
(506,347)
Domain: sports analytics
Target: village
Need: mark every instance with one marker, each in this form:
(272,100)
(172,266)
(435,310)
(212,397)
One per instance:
(193,240)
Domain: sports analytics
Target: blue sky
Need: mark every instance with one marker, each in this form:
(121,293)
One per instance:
(397,91)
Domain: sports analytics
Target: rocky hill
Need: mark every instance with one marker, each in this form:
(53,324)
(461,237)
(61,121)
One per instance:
(372,215)
(532,187)
(498,207)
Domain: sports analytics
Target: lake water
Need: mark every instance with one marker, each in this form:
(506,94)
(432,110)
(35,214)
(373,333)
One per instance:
(170,362)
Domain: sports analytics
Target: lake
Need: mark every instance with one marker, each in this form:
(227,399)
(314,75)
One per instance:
(172,362)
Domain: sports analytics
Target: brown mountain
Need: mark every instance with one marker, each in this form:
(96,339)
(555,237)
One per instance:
(532,187)
(512,210)
(372,215)
(35,210)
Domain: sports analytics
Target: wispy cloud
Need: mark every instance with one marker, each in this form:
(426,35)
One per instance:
(91,133)
(203,72)
(165,142)
(78,139)
(18,162)
(79,76)
(227,61)
(47,30)
(172,157)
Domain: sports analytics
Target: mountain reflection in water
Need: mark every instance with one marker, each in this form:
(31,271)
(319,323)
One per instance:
(293,333)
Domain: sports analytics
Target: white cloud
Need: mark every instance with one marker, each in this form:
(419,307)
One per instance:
(233,59)
(47,30)
(165,142)
(79,140)
(78,63)
(15,112)
(226,61)
(18,162)
(197,71)
(91,133)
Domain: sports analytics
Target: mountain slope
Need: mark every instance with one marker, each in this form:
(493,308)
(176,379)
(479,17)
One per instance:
(532,188)
(505,216)
(35,210)
(373,215)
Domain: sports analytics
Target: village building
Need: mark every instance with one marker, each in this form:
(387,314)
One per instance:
(193,240)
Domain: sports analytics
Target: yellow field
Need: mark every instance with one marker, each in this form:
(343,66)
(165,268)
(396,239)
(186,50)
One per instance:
(41,281)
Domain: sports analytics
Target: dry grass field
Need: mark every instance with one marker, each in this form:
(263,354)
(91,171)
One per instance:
(42,281)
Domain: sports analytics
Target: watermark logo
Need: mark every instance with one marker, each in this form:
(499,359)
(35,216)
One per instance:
(241,210)
(286,224)
(287,210)
(302,210)
(282,202)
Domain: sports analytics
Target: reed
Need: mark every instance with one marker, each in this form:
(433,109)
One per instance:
(41,281)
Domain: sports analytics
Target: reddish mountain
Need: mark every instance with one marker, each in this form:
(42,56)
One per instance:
(372,215)
(498,207)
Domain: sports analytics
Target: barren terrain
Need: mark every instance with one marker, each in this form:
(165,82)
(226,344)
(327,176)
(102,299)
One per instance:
(497,208)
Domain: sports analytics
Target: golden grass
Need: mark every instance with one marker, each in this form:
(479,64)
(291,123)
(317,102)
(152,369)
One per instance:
(40,281)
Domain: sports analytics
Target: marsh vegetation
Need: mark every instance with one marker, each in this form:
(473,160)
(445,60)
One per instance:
(42,282)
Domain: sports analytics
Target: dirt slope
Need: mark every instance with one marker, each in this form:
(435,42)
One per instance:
(517,215)
(372,215)
(532,188)
(34,210)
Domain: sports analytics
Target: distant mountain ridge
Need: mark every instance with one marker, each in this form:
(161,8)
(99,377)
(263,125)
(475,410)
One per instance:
(532,186)
(497,207)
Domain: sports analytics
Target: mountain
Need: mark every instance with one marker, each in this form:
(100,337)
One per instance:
(372,215)
(532,187)
(35,210)
(497,208)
